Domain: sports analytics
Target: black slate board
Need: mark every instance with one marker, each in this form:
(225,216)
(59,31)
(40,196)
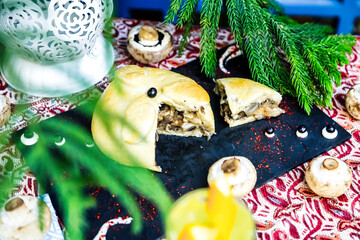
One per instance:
(185,161)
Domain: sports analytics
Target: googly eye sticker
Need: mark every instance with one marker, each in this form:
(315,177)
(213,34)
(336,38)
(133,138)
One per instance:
(29,138)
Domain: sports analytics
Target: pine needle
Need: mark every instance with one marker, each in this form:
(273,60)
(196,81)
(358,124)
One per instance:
(72,168)
(210,15)
(233,9)
(271,6)
(172,11)
(297,59)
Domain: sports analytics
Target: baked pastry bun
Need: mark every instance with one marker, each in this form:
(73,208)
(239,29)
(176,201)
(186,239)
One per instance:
(239,172)
(244,100)
(149,44)
(151,101)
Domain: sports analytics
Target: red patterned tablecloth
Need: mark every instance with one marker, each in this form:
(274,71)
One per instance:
(284,208)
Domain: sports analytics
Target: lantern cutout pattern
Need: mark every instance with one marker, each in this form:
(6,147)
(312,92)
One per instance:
(54,47)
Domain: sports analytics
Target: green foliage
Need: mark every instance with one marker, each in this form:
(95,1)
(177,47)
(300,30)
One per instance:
(70,170)
(73,168)
(271,6)
(186,18)
(210,16)
(7,184)
(173,8)
(233,8)
(298,59)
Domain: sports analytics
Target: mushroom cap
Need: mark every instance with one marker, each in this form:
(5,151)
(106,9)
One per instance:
(328,176)
(149,44)
(239,172)
(352,101)
(19,219)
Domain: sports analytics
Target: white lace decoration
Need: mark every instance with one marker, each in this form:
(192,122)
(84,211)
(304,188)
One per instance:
(50,31)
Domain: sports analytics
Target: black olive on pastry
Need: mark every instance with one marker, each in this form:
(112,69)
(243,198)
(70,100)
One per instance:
(154,101)
(244,100)
(149,44)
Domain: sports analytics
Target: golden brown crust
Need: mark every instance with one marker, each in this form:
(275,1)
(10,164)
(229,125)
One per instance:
(126,97)
(242,94)
(187,92)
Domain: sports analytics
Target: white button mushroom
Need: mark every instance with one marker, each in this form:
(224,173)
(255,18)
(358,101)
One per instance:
(19,219)
(328,176)
(352,101)
(149,44)
(5,109)
(239,172)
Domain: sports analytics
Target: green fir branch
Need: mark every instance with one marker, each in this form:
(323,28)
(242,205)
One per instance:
(260,61)
(271,6)
(320,75)
(233,10)
(7,185)
(185,37)
(210,15)
(186,18)
(172,11)
(310,31)
(297,59)
(74,168)
(299,75)
(186,14)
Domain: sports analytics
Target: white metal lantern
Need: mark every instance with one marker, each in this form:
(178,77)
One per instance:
(54,47)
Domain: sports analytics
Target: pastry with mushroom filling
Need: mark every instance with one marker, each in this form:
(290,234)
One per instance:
(152,101)
(19,219)
(244,100)
(239,172)
(149,44)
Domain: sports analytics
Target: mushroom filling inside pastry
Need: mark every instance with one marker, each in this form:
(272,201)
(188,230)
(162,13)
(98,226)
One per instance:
(268,108)
(172,121)
(153,101)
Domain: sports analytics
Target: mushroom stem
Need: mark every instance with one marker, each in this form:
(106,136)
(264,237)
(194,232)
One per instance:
(230,165)
(148,33)
(13,204)
(330,164)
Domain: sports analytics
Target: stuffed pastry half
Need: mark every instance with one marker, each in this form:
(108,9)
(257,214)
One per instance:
(143,102)
(243,100)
